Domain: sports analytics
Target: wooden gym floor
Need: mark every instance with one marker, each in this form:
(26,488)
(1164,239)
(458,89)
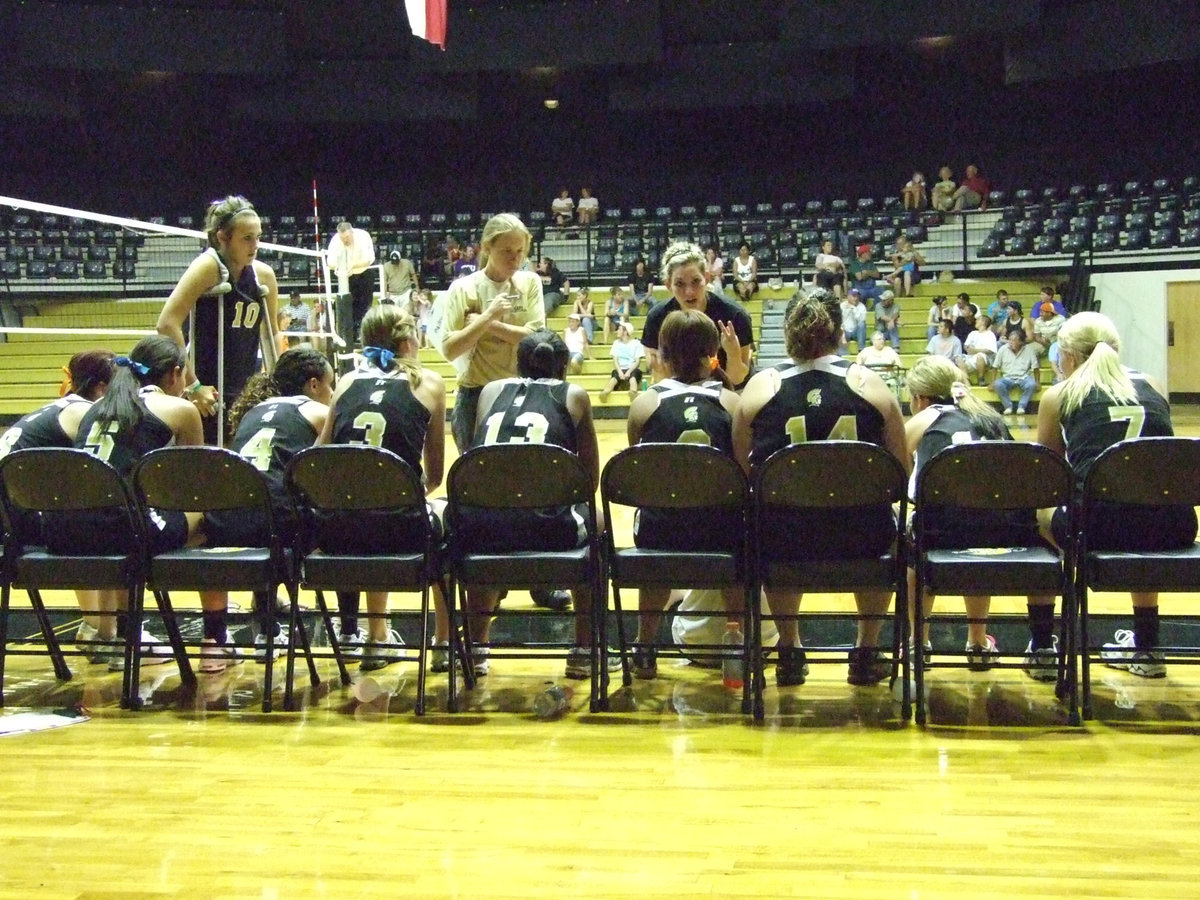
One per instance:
(672,794)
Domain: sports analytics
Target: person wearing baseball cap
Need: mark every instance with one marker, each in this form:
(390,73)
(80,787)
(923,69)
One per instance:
(854,321)
(863,274)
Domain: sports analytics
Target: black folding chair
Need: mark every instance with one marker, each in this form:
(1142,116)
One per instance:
(708,487)
(1147,472)
(506,478)
(64,482)
(339,482)
(208,479)
(825,478)
(954,490)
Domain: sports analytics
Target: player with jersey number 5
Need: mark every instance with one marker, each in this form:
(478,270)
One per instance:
(388,402)
(816,396)
(1099,404)
(232,300)
(536,407)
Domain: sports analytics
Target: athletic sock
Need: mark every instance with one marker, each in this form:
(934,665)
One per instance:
(122,624)
(348,611)
(1145,627)
(263,601)
(214,625)
(1041,625)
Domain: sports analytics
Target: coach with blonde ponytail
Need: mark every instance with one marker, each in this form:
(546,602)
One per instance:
(1101,403)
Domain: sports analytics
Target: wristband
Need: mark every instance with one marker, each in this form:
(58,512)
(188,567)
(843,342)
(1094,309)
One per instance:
(193,387)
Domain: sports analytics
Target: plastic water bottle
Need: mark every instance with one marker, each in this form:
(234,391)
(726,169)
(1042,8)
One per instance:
(731,665)
(553,702)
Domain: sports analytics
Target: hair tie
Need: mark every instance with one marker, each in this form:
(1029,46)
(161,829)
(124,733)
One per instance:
(714,363)
(127,363)
(958,390)
(379,356)
(64,387)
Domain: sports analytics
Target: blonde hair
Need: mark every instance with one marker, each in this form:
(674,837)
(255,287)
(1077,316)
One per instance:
(682,253)
(1092,339)
(939,380)
(498,225)
(390,327)
(812,324)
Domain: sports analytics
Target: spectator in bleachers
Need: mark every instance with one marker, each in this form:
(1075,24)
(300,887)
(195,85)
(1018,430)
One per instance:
(1046,298)
(964,322)
(745,274)
(816,396)
(879,355)
(1045,328)
(555,286)
(616,312)
(997,310)
(913,193)
(979,350)
(563,208)
(399,278)
(683,274)
(1015,320)
(942,195)
(887,318)
(854,321)
(627,354)
(973,192)
(466,262)
(864,274)
(577,344)
(714,270)
(453,253)
(586,311)
(589,207)
(433,265)
(297,312)
(944,343)
(249,309)
(830,270)
(420,304)
(906,267)
(937,312)
(1016,366)
(641,288)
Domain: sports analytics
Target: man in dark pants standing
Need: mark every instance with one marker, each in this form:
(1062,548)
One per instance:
(351,259)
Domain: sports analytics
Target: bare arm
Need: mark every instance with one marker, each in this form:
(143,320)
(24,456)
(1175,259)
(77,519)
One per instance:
(433,455)
(199,278)
(464,340)
(585,431)
(1049,420)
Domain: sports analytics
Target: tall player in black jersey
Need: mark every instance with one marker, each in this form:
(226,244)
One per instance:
(945,412)
(55,425)
(819,396)
(141,411)
(250,303)
(1101,403)
(389,402)
(275,417)
(691,404)
(537,407)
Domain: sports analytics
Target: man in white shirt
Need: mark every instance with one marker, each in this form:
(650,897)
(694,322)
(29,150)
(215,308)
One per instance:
(351,255)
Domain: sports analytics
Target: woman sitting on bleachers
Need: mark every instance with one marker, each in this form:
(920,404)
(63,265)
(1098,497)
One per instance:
(691,404)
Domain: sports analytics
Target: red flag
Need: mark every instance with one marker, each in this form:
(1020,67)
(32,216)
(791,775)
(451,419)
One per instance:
(427,18)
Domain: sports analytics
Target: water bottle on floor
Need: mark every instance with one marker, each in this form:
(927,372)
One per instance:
(731,665)
(553,702)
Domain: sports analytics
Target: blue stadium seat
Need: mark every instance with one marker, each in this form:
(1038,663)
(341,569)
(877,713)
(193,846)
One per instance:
(37,268)
(66,268)
(102,254)
(1031,227)
(10,269)
(1190,237)
(1104,241)
(1163,237)
(1046,243)
(95,269)
(713,211)
(789,208)
(44,253)
(916,233)
(1018,245)
(739,210)
(814,208)
(1076,240)
(1077,192)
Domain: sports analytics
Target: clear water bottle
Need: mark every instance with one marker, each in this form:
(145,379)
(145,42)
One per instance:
(731,665)
(553,702)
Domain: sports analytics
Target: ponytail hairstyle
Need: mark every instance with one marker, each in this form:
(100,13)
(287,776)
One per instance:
(1092,339)
(293,370)
(386,330)
(688,343)
(149,363)
(86,373)
(938,380)
(812,324)
(682,253)
(542,355)
(223,214)
(499,225)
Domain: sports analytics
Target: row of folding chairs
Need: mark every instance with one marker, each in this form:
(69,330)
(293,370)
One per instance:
(695,482)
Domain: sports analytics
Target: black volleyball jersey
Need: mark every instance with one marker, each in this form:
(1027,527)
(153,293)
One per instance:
(529,411)
(379,409)
(951,427)
(1098,423)
(814,403)
(123,448)
(244,310)
(270,434)
(689,413)
(39,428)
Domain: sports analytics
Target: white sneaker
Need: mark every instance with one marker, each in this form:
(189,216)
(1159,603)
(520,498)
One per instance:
(1123,654)
(154,650)
(1042,664)
(86,633)
(216,657)
(377,655)
(439,658)
(480,664)
(278,646)
(352,644)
